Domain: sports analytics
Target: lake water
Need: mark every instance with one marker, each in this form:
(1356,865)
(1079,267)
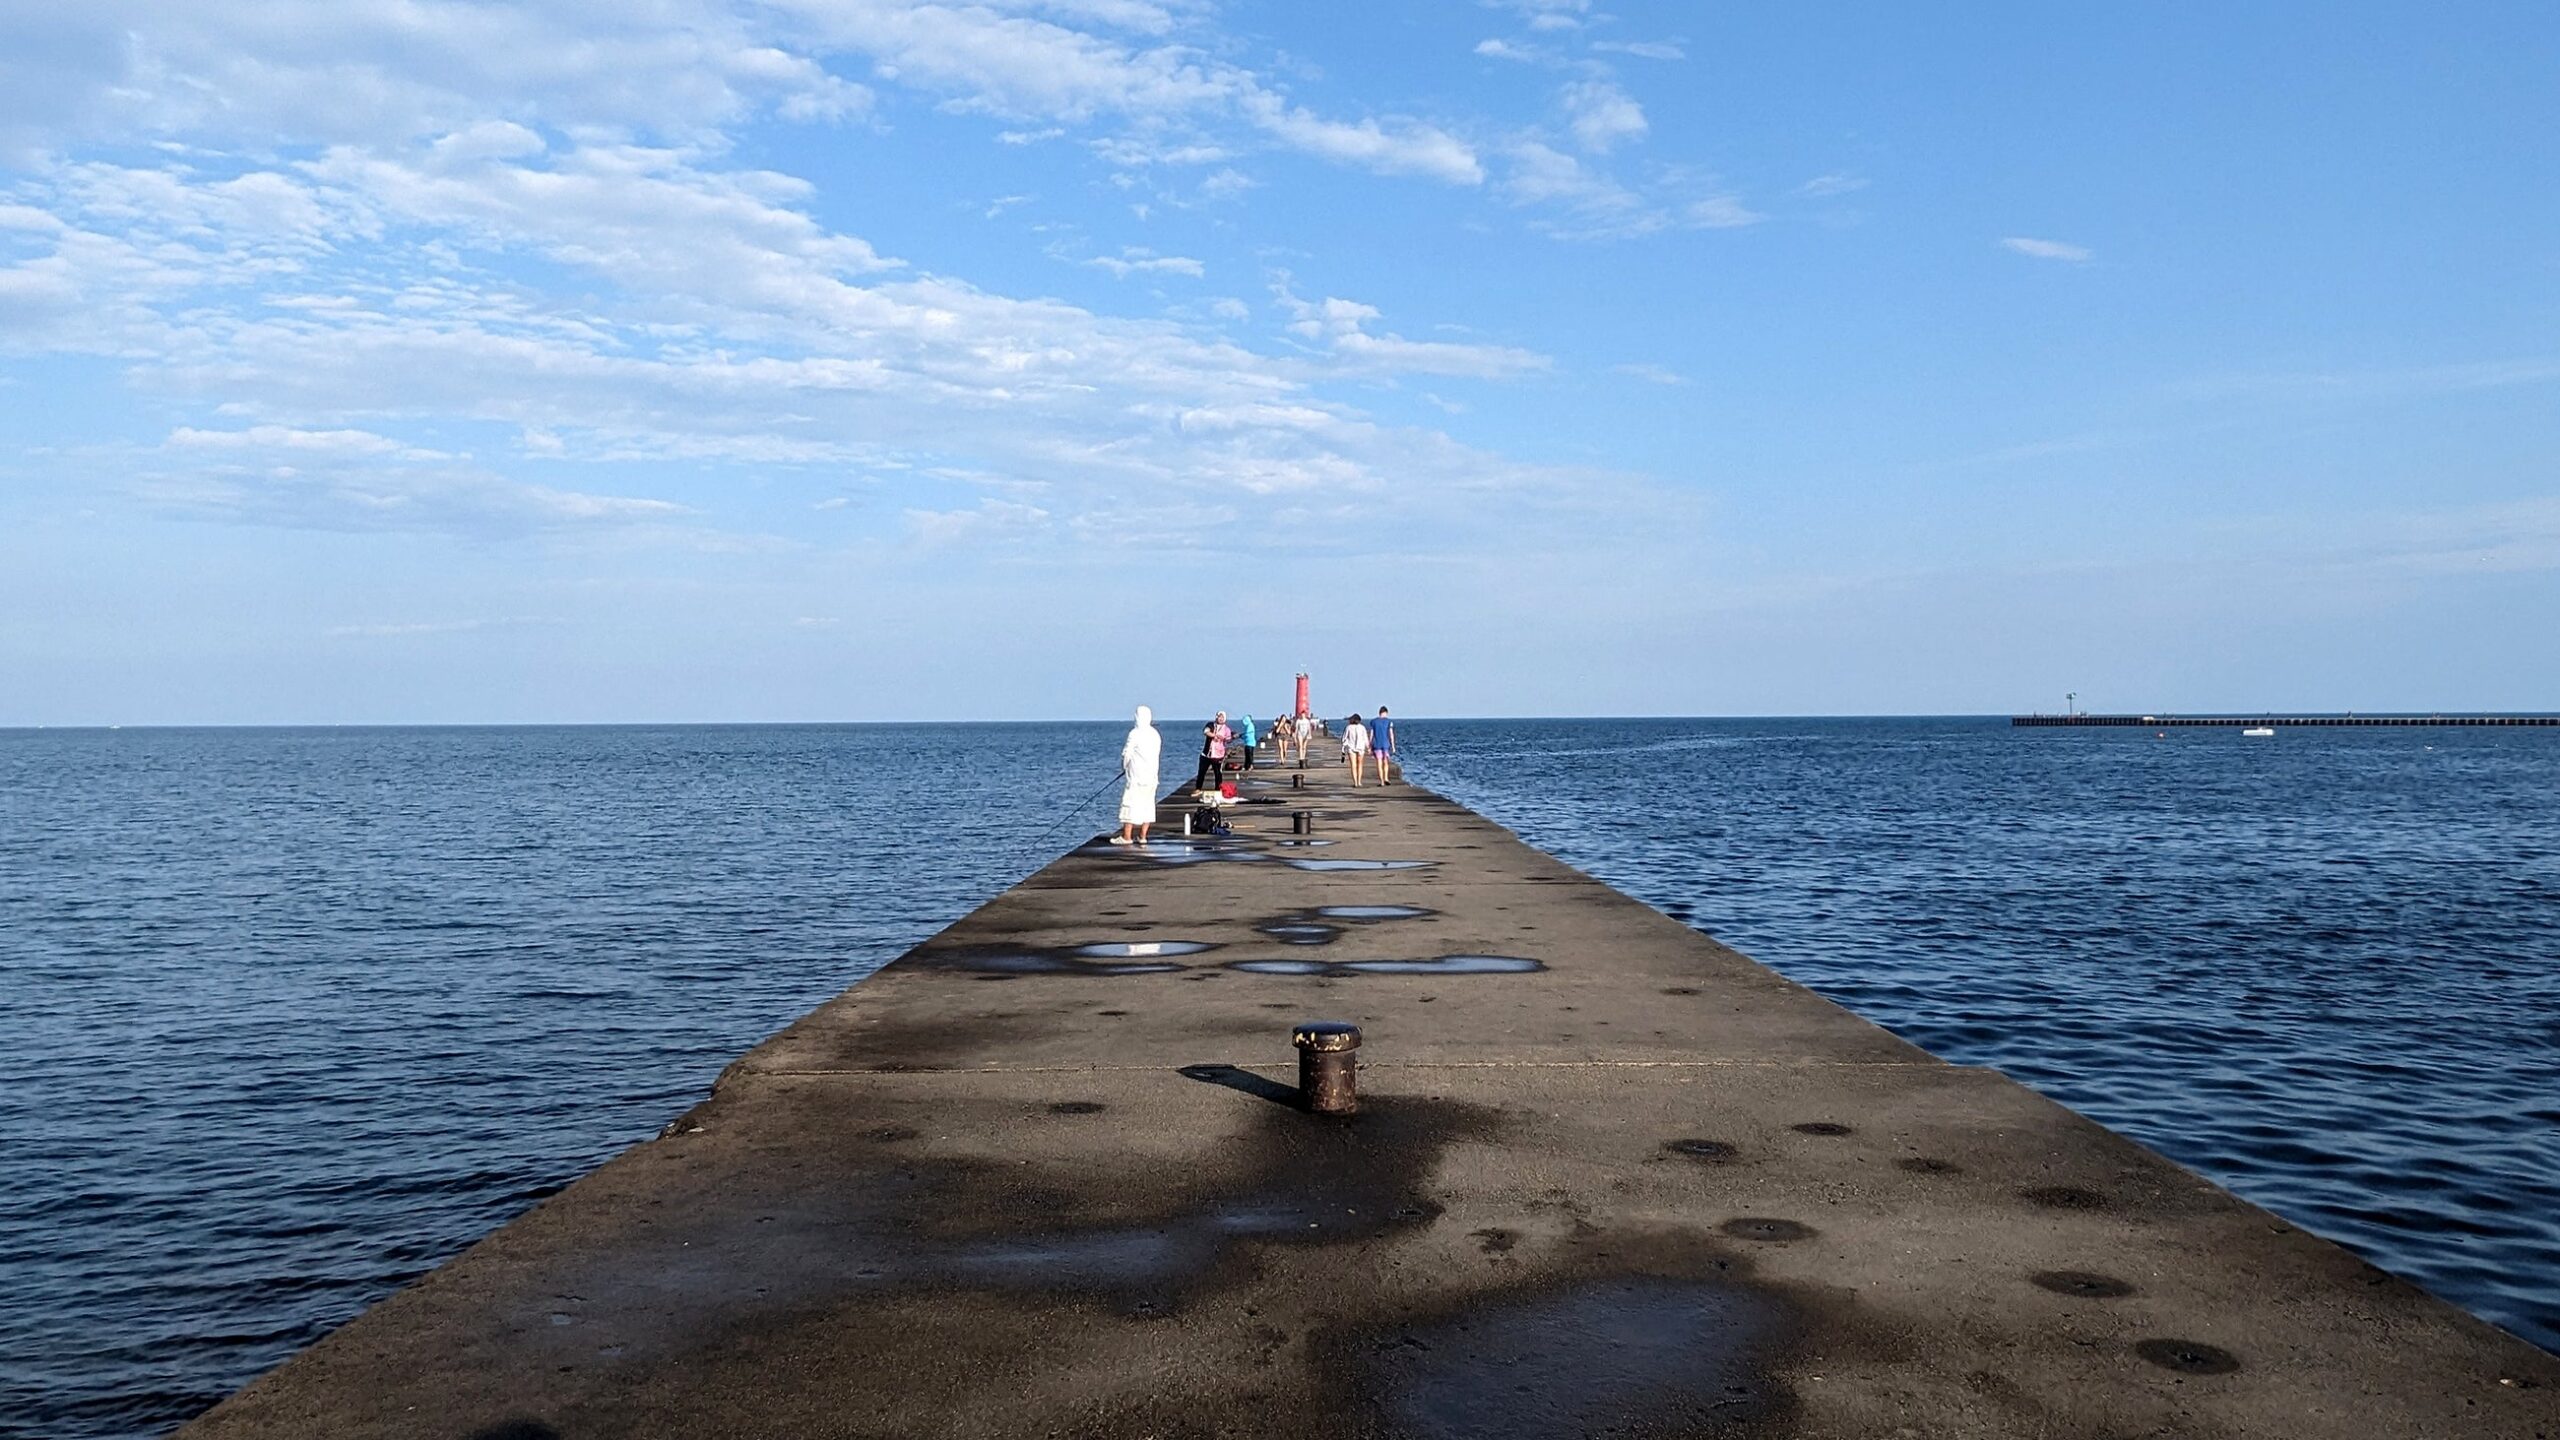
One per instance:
(298,1014)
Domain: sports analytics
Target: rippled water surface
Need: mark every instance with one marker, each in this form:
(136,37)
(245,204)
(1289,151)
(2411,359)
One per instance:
(296,1015)
(2323,968)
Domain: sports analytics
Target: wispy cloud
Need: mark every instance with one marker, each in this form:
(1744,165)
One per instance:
(1601,115)
(410,629)
(1135,261)
(1823,187)
(2366,384)
(1654,374)
(2046,249)
(1642,49)
(1341,325)
(427,322)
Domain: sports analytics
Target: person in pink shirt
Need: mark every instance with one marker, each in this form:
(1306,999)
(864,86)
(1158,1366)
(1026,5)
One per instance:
(1213,751)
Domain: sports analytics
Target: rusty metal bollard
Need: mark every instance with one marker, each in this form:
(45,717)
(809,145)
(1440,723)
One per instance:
(1298,782)
(1302,822)
(1328,1066)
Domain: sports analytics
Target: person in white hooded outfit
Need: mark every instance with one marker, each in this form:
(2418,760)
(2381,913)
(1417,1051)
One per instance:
(1138,756)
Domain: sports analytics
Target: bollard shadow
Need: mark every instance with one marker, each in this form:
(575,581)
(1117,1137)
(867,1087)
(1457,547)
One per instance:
(1237,1078)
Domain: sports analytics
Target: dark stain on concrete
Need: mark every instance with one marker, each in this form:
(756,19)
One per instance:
(1928,1165)
(1766,1230)
(1822,1127)
(1618,1354)
(1321,866)
(2064,1197)
(1078,1107)
(1713,1151)
(2188,1357)
(2085,1284)
(1494,1240)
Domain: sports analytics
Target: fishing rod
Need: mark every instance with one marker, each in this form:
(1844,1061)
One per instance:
(1074,810)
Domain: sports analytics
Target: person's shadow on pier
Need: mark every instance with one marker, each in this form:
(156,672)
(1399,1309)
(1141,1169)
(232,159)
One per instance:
(1236,1077)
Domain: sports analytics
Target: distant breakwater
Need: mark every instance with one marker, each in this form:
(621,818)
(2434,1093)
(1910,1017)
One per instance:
(2253,722)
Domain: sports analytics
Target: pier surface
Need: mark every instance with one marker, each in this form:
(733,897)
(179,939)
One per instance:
(1035,1179)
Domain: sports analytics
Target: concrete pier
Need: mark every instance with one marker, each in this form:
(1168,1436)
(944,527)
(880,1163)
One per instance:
(1044,1176)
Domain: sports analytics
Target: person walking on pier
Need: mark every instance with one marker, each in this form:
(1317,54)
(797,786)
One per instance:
(1382,742)
(1355,746)
(1245,737)
(1139,756)
(1213,752)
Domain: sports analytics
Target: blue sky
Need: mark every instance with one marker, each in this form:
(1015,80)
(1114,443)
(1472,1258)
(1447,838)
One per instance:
(414,360)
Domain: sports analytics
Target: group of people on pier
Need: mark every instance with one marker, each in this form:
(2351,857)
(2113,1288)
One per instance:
(1226,745)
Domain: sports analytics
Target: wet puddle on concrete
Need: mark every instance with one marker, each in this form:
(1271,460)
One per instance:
(1297,933)
(1012,964)
(1193,852)
(1372,912)
(1633,1356)
(1439,965)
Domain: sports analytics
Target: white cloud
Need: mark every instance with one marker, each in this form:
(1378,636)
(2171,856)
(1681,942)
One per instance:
(1642,49)
(1719,212)
(1500,49)
(2375,384)
(1226,185)
(1823,187)
(383,71)
(2046,249)
(1583,203)
(341,444)
(1543,175)
(333,496)
(1404,148)
(1025,68)
(1131,261)
(578,280)
(1601,115)
(1339,325)
(401,630)
(1655,374)
(945,527)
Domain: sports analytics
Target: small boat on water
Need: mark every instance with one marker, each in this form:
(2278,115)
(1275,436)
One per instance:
(2259,732)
